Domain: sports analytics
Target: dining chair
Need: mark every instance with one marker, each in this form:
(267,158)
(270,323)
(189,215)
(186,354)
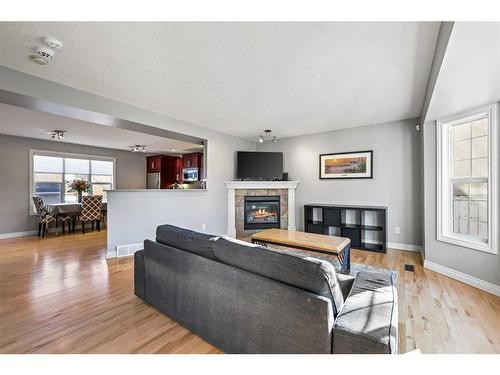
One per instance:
(43,216)
(64,218)
(91,211)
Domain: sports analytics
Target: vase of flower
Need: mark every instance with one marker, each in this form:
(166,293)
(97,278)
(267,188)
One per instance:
(79,186)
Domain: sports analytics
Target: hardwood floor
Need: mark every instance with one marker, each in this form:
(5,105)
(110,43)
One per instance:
(60,295)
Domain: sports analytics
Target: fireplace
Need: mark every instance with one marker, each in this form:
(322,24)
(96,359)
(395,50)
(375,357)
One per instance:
(262,212)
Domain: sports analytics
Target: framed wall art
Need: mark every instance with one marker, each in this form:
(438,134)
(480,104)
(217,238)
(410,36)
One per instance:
(344,165)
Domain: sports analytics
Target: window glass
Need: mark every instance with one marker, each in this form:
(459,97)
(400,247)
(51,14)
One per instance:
(102,167)
(461,132)
(461,150)
(47,177)
(47,164)
(461,168)
(464,191)
(49,191)
(480,127)
(102,179)
(53,174)
(76,166)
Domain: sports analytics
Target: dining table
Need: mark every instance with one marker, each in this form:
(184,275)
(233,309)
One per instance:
(71,209)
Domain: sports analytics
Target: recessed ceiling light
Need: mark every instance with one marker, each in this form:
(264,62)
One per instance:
(173,150)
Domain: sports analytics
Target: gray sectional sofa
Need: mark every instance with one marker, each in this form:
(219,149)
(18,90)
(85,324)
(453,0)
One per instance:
(244,298)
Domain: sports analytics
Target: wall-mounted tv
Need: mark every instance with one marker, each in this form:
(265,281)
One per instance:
(252,165)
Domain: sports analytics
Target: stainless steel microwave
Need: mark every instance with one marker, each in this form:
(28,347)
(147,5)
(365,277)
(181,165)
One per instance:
(190,174)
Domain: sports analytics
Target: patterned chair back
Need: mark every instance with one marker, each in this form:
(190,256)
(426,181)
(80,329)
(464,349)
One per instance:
(41,210)
(91,208)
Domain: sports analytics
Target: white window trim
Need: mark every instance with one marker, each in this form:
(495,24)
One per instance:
(444,214)
(64,155)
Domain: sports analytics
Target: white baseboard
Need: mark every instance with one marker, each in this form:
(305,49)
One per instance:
(18,234)
(35,232)
(403,246)
(466,279)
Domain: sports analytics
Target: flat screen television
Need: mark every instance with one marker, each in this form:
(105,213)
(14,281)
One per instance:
(253,165)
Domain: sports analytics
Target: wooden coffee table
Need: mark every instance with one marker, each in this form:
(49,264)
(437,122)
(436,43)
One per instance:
(321,243)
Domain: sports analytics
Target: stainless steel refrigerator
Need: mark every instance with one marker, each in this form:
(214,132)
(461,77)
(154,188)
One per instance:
(153,180)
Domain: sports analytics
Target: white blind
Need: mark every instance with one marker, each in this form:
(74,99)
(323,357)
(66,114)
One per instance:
(47,164)
(76,166)
(102,167)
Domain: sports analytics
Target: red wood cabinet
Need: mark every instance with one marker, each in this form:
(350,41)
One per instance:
(169,167)
(194,160)
(179,165)
(154,163)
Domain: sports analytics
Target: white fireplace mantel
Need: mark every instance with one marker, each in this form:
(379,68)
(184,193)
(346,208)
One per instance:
(233,185)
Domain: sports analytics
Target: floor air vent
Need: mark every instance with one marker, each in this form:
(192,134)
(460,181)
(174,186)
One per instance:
(409,267)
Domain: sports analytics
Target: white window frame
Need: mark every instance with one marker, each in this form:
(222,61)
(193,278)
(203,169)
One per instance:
(443,177)
(34,152)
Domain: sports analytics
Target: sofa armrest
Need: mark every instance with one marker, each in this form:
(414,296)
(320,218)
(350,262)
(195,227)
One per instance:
(345,283)
(139,276)
(368,322)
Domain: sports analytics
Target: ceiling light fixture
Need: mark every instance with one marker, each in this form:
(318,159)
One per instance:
(267,137)
(137,148)
(57,134)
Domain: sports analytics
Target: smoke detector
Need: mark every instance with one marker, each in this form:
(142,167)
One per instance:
(53,42)
(42,55)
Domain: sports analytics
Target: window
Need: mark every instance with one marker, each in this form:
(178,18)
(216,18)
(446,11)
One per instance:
(467,179)
(51,174)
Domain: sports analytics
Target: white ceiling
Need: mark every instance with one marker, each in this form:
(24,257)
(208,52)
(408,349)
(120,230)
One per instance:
(33,124)
(241,78)
(470,74)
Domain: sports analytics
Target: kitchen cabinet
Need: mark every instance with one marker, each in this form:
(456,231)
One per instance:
(168,167)
(194,160)
(154,163)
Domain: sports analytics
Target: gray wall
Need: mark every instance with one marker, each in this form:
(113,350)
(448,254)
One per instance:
(468,78)
(134,216)
(475,263)
(396,173)
(220,161)
(14,176)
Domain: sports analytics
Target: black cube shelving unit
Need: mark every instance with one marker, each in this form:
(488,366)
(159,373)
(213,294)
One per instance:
(366,226)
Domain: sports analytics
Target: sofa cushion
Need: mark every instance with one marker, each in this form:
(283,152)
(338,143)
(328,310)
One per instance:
(310,274)
(368,322)
(184,239)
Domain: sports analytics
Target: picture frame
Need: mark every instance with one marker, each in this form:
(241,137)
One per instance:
(346,165)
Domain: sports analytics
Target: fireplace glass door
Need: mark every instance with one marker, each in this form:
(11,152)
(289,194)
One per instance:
(262,212)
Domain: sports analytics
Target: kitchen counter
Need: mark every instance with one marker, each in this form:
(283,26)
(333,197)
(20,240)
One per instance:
(152,190)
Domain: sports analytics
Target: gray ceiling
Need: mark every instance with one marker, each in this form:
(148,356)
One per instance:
(34,124)
(242,78)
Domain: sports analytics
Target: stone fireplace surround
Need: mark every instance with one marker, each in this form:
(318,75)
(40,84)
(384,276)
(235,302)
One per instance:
(236,192)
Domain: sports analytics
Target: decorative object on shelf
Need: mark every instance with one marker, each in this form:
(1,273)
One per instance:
(137,148)
(57,134)
(344,165)
(79,186)
(267,137)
